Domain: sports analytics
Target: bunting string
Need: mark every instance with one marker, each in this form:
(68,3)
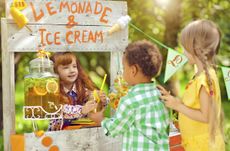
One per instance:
(157,41)
(153,39)
(176,60)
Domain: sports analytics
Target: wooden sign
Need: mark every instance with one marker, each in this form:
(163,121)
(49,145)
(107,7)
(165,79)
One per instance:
(69,25)
(58,38)
(82,12)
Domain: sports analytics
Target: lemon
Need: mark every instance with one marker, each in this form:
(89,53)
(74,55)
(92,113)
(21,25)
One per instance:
(40,87)
(52,86)
(40,91)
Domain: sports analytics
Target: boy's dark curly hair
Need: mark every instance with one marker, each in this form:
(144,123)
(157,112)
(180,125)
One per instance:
(146,55)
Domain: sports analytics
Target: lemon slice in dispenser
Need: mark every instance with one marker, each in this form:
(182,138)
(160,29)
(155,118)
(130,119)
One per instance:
(52,86)
(40,91)
(40,87)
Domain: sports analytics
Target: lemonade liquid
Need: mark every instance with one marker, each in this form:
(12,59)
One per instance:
(42,92)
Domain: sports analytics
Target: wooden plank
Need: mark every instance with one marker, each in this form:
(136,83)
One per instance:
(58,38)
(90,139)
(8,88)
(115,65)
(83,12)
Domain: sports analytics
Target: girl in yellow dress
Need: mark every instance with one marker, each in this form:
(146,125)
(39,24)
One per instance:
(200,114)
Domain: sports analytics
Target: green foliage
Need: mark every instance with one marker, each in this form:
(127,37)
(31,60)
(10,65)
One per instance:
(217,11)
(149,19)
(1,141)
(152,17)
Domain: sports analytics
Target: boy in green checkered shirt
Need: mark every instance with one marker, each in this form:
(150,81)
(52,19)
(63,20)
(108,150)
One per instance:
(141,117)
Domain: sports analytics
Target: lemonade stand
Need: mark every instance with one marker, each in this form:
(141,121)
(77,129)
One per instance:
(77,26)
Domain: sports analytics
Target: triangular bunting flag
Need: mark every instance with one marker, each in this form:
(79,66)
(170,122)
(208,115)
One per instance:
(175,60)
(226,74)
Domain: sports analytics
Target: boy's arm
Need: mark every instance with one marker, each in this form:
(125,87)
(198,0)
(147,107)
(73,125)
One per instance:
(121,122)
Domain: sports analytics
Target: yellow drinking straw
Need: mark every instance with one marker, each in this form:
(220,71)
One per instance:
(103,83)
(95,95)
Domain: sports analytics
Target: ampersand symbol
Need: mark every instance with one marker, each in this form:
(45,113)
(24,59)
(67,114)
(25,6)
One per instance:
(71,22)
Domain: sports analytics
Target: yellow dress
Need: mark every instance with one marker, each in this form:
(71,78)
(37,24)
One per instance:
(195,134)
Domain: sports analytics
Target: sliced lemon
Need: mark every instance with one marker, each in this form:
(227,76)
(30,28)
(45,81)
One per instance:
(52,86)
(40,90)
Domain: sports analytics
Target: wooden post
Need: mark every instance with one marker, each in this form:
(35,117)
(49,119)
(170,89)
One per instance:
(8,88)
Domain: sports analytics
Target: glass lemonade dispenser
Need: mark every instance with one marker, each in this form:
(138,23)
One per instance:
(42,93)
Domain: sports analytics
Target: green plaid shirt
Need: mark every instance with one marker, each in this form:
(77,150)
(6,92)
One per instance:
(142,119)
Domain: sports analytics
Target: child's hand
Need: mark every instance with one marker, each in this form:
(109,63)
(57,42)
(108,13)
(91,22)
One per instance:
(89,106)
(87,92)
(169,100)
(162,90)
(97,117)
(102,97)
